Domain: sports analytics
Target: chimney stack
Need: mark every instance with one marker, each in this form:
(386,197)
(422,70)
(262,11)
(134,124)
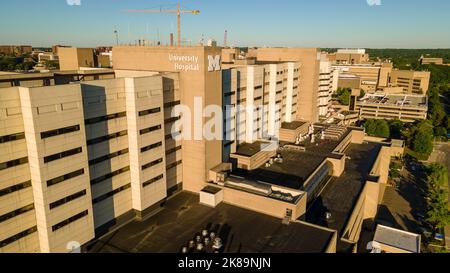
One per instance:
(171,39)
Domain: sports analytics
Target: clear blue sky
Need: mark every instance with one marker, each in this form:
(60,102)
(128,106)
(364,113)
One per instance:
(302,23)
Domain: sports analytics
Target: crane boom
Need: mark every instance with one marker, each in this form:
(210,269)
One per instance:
(178,11)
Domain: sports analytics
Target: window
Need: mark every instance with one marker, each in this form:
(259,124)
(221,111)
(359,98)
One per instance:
(67,199)
(105,118)
(65,177)
(18,236)
(149,130)
(149,112)
(13,137)
(108,157)
(172,104)
(171,151)
(171,120)
(110,175)
(153,180)
(13,163)
(70,220)
(151,164)
(110,194)
(60,131)
(15,188)
(106,138)
(151,147)
(54,157)
(173,165)
(15,213)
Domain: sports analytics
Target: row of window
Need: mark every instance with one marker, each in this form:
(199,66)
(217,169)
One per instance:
(110,194)
(151,164)
(173,150)
(13,163)
(15,213)
(151,147)
(106,138)
(150,111)
(15,188)
(172,104)
(149,130)
(12,137)
(67,199)
(58,156)
(105,118)
(153,180)
(70,220)
(110,175)
(17,237)
(170,120)
(60,131)
(108,157)
(173,165)
(65,177)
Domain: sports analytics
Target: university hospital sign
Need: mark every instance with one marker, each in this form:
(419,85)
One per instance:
(191,63)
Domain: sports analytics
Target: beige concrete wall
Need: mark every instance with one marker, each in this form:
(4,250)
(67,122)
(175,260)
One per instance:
(309,58)
(198,156)
(64,105)
(263,204)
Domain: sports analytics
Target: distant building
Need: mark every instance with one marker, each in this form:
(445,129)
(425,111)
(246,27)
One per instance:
(47,56)
(328,84)
(407,108)
(15,49)
(349,56)
(438,61)
(412,82)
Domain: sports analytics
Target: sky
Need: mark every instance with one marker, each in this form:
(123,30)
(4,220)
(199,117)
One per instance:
(286,23)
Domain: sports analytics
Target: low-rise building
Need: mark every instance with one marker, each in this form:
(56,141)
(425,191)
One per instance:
(412,82)
(407,108)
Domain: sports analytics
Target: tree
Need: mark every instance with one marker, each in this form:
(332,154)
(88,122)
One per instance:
(396,127)
(438,213)
(423,138)
(377,128)
(343,95)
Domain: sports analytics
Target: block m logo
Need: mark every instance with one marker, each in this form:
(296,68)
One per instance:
(213,63)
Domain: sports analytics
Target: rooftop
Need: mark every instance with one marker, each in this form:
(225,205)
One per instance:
(398,238)
(341,194)
(292,125)
(299,162)
(250,149)
(395,100)
(242,231)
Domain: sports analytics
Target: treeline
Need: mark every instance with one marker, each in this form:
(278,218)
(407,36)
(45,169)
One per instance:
(418,137)
(438,214)
(14,63)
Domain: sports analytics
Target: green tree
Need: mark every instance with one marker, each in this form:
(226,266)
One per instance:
(377,128)
(396,127)
(419,138)
(343,95)
(438,213)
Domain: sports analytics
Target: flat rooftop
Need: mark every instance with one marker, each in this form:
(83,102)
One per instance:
(395,100)
(292,125)
(242,231)
(398,238)
(341,194)
(250,149)
(297,165)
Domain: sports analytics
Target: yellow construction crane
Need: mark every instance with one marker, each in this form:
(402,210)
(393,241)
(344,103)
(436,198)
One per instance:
(178,11)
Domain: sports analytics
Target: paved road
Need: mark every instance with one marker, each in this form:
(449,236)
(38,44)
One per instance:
(441,155)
